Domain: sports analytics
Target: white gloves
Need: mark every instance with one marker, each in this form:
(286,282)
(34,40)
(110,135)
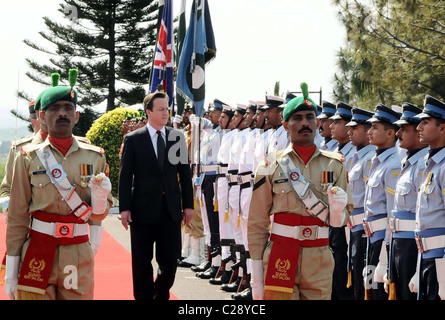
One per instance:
(100,188)
(177,118)
(381,269)
(414,282)
(4,202)
(96,237)
(338,199)
(257,279)
(12,276)
(440,272)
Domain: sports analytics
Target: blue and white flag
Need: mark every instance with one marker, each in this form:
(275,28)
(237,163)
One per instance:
(198,49)
(164,61)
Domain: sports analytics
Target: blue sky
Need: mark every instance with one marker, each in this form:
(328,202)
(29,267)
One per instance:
(258,43)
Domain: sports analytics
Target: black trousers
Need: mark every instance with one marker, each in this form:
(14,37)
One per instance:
(403,266)
(165,236)
(429,287)
(357,258)
(212,215)
(373,254)
(339,246)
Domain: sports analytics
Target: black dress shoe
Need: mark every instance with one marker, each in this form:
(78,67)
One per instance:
(208,274)
(244,295)
(185,264)
(231,287)
(202,267)
(225,278)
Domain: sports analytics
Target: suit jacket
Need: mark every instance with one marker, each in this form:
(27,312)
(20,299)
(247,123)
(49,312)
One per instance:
(142,182)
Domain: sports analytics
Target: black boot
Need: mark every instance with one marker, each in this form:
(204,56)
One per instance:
(246,294)
(224,278)
(232,287)
(209,273)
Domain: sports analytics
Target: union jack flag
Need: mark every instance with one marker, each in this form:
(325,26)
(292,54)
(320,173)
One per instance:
(198,49)
(164,62)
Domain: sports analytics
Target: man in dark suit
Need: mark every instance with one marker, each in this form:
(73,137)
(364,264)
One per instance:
(155,195)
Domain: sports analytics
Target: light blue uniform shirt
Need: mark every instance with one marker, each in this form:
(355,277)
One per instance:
(348,152)
(430,213)
(331,145)
(408,186)
(360,173)
(380,190)
(358,178)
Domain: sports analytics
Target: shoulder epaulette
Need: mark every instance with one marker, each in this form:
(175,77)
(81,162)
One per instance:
(92,147)
(29,147)
(82,139)
(22,141)
(333,155)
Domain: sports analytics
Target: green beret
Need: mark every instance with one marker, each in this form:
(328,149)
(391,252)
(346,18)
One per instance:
(58,93)
(38,99)
(302,103)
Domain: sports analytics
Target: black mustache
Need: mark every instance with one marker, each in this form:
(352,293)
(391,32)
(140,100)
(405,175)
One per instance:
(304,129)
(63,120)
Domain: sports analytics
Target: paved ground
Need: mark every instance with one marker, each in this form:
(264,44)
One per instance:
(187,286)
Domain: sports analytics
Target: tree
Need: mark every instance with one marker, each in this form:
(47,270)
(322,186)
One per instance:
(106,132)
(110,42)
(394,50)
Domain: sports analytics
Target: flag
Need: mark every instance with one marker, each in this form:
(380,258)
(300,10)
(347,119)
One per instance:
(180,101)
(162,72)
(198,49)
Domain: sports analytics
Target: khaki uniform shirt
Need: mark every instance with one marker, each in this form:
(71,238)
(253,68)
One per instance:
(272,193)
(32,191)
(5,187)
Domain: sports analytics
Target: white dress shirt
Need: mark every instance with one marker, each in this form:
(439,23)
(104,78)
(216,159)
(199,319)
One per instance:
(154,136)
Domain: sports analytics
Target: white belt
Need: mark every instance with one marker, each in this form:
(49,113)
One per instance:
(356,220)
(210,168)
(300,232)
(60,229)
(430,243)
(397,224)
(375,225)
(242,179)
(231,178)
(222,170)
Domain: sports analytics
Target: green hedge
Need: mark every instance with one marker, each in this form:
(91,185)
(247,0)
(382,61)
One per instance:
(106,133)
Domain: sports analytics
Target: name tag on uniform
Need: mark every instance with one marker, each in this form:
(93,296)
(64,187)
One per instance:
(38,172)
(281,180)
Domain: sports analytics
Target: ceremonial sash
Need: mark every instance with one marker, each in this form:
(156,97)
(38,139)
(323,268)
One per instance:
(39,258)
(283,259)
(59,178)
(315,206)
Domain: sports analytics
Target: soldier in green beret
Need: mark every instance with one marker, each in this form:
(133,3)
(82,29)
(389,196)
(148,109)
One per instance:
(306,190)
(58,187)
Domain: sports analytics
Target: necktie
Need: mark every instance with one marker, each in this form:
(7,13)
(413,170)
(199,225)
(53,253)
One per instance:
(161,149)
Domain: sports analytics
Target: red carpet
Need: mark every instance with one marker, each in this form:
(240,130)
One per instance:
(112,271)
